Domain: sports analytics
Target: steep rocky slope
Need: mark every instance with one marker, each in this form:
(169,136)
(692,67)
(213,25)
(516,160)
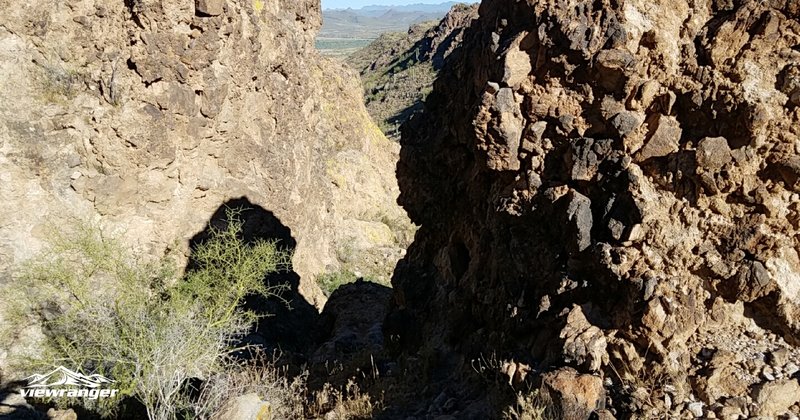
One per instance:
(608,200)
(147,116)
(398,69)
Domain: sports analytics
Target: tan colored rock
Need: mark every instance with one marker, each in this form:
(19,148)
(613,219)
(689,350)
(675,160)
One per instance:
(789,170)
(517,63)
(626,122)
(210,7)
(723,379)
(168,116)
(605,415)
(584,343)
(67,414)
(791,83)
(510,127)
(713,153)
(753,281)
(13,404)
(663,140)
(709,178)
(775,398)
(625,358)
(179,99)
(574,396)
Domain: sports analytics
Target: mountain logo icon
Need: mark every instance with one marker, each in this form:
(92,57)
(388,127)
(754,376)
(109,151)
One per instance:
(62,376)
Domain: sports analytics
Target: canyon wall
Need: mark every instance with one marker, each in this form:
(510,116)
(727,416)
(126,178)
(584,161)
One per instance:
(147,116)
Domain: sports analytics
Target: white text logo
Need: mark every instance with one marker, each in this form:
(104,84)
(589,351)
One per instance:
(64,383)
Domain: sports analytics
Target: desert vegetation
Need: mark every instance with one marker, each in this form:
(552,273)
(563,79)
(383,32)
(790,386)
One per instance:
(398,68)
(104,310)
(329,282)
(152,330)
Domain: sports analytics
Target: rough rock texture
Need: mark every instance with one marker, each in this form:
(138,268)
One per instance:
(573,395)
(148,115)
(775,398)
(608,186)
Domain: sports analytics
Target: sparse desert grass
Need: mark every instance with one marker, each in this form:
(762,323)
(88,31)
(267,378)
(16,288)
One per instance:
(402,228)
(395,77)
(530,406)
(347,404)
(58,84)
(647,390)
(288,397)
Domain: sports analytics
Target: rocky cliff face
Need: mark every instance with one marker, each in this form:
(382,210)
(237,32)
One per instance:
(611,187)
(148,115)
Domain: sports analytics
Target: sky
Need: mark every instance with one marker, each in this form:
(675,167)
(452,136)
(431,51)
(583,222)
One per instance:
(355,4)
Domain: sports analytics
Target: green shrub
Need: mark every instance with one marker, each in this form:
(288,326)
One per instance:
(329,282)
(104,311)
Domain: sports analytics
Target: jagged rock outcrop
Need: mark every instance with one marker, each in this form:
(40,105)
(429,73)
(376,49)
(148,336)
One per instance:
(610,186)
(148,115)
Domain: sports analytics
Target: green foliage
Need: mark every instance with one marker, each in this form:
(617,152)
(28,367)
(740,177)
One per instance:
(329,282)
(402,228)
(106,312)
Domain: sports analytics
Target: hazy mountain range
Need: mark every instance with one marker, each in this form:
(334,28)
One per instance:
(370,21)
(377,10)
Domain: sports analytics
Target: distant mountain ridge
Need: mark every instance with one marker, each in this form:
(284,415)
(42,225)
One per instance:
(377,10)
(369,22)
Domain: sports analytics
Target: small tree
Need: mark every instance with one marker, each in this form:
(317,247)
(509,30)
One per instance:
(104,311)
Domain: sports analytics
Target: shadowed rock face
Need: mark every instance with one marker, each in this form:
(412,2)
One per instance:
(603,184)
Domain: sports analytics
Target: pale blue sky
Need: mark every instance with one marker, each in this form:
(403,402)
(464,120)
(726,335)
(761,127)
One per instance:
(355,4)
